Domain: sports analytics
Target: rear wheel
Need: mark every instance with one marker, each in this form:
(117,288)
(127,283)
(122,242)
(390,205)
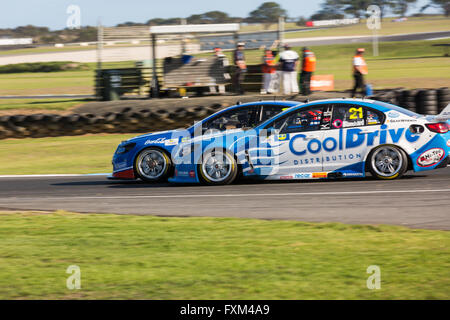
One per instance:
(388,162)
(153,165)
(218,167)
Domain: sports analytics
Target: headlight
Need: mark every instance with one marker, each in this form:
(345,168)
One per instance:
(125,148)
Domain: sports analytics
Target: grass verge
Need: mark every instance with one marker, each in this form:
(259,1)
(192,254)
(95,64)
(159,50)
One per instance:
(409,64)
(144,257)
(77,154)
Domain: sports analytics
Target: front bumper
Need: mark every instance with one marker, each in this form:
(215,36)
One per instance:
(127,174)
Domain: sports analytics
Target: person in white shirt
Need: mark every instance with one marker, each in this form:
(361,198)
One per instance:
(289,61)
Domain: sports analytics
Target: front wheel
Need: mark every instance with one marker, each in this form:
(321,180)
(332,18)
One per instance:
(152,165)
(388,162)
(218,167)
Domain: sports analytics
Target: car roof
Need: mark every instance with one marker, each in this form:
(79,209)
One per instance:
(288,104)
(378,105)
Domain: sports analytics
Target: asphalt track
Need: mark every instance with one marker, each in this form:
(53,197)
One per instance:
(417,200)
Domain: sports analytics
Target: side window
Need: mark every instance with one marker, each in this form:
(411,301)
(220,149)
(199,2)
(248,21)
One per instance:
(234,119)
(373,117)
(269,111)
(300,121)
(346,116)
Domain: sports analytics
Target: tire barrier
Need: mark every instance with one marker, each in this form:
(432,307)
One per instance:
(422,101)
(126,121)
(129,120)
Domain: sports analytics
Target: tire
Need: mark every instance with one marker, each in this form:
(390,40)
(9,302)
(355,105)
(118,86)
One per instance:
(218,167)
(387,162)
(156,171)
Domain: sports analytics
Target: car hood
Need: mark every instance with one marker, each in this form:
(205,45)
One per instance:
(161,135)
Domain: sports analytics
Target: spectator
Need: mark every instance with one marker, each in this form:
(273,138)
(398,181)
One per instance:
(269,71)
(289,64)
(240,69)
(223,58)
(308,67)
(359,70)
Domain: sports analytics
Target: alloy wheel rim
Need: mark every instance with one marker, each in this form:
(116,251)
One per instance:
(152,164)
(387,161)
(217,166)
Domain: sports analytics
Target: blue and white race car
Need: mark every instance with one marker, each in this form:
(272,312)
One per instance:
(337,138)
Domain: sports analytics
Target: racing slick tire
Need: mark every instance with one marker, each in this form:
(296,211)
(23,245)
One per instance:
(218,167)
(153,165)
(387,162)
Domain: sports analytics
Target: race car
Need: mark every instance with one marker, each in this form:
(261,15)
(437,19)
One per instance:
(335,138)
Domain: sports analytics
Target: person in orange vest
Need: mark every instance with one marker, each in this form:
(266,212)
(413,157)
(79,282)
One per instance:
(359,70)
(308,67)
(269,69)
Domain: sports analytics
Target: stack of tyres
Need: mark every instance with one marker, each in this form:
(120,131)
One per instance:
(407,99)
(443,98)
(426,102)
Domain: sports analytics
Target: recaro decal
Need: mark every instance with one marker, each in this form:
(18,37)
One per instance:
(349,139)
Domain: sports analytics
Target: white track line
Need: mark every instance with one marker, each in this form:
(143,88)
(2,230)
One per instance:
(248,195)
(52,175)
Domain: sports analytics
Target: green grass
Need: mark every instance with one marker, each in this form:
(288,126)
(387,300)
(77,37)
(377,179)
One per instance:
(62,82)
(41,104)
(143,257)
(410,64)
(66,82)
(77,154)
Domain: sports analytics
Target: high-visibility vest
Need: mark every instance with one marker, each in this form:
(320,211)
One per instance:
(358,61)
(269,65)
(309,62)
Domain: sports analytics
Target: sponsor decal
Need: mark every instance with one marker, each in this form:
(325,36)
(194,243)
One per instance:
(286,177)
(349,139)
(157,141)
(182,173)
(319,174)
(337,123)
(393,114)
(329,158)
(171,142)
(401,120)
(192,174)
(120,165)
(185,139)
(353,174)
(430,157)
(302,176)
(282,137)
(448,143)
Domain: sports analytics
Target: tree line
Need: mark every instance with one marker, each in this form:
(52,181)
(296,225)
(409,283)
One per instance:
(267,13)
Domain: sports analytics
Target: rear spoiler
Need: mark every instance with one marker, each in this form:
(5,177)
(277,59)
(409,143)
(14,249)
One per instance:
(445,114)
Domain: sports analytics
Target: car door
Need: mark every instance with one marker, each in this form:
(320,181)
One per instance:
(295,144)
(352,133)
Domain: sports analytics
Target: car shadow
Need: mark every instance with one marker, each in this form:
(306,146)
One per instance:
(137,184)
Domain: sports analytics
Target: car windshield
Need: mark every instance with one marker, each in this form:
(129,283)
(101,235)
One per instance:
(245,117)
